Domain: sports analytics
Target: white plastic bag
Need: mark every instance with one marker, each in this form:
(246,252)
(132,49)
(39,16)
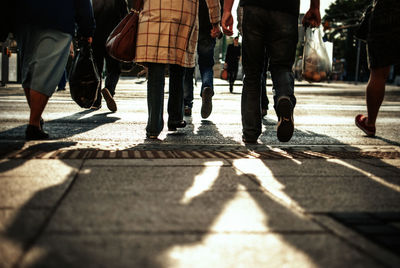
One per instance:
(316,63)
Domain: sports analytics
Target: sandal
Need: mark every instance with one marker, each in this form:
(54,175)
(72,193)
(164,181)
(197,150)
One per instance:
(361,124)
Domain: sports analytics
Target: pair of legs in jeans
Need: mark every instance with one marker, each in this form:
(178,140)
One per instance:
(113,71)
(155,98)
(205,51)
(272,34)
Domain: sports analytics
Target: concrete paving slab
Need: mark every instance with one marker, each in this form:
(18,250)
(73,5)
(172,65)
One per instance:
(174,211)
(324,186)
(35,183)
(196,250)
(329,167)
(131,179)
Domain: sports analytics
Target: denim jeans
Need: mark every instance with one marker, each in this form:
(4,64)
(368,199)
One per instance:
(113,70)
(155,96)
(205,51)
(272,34)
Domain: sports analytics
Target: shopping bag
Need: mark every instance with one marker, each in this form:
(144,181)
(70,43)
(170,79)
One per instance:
(316,63)
(84,80)
(121,43)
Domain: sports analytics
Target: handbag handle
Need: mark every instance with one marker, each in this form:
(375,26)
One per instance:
(137,5)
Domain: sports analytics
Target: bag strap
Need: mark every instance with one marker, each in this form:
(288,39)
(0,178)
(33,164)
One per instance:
(137,5)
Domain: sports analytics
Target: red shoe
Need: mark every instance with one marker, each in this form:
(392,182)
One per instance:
(361,123)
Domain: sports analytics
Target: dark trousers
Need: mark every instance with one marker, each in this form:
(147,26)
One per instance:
(232,73)
(274,35)
(155,96)
(112,70)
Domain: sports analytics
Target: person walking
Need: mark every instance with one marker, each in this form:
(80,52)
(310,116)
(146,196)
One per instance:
(44,32)
(269,27)
(205,52)
(167,35)
(383,42)
(107,13)
(232,58)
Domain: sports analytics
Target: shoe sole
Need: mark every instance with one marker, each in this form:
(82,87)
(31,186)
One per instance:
(285,125)
(206,106)
(111,105)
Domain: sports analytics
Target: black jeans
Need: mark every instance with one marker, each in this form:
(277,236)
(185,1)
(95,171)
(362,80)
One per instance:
(155,96)
(272,35)
(112,70)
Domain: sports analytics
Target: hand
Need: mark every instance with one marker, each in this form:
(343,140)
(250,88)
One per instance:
(312,18)
(227,23)
(90,40)
(215,31)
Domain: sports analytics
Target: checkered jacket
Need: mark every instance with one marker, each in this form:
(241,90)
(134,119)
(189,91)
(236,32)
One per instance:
(168,30)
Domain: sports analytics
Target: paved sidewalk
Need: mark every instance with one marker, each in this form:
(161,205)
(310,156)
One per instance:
(327,199)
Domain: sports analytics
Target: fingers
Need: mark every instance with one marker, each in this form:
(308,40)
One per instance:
(227,23)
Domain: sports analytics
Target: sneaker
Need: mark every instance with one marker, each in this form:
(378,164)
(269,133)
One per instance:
(188,111)
(35,133)
(111,105)
(362,124)
(206,106)
(285,125)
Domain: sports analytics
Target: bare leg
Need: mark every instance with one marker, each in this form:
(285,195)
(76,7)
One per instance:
(375,92)
(37,102)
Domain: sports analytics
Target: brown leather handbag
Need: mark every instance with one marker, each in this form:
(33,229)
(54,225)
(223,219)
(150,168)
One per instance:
(121,43)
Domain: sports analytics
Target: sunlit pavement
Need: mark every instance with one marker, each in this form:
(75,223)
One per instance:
(98,194)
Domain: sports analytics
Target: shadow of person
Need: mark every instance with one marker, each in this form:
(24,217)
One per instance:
(78,123)
(197,212)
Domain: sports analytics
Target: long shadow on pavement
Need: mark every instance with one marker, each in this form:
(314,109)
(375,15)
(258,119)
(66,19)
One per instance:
(220,213)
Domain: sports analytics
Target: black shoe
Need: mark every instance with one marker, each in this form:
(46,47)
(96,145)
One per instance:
(34,133)
(206,105)
(248,140)
(172,126)
(230,88)
(285,125)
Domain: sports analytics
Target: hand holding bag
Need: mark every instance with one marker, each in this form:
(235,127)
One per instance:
(121,44)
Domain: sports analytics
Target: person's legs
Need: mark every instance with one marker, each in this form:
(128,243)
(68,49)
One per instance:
(253,63)
(113,71)
(281,48)
(175,98)
(38,102)
(206,63)
(155,99)
(375,92)
(188,91)
(63,82)
(99,53)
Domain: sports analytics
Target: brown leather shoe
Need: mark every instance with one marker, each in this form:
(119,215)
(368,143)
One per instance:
(111,105)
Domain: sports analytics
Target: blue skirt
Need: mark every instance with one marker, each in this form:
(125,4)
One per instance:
(44,55)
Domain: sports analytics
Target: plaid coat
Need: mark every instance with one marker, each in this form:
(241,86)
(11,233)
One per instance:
(168,31)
